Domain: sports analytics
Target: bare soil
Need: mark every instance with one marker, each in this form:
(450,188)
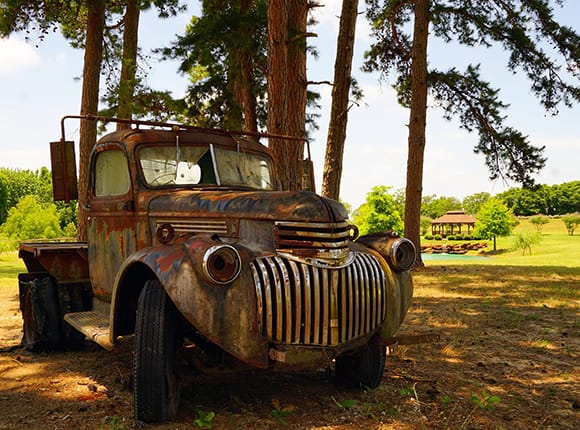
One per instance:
(507,358)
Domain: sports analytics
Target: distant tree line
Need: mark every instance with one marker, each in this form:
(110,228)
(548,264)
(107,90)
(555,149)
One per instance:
(384,210)
(543,199)
(28,211)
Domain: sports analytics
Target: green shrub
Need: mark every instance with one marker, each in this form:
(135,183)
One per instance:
(428,236)
(437,237)
(524,241)
(450,237)
(539,221)
(458,237)
(571,221)
(467,237)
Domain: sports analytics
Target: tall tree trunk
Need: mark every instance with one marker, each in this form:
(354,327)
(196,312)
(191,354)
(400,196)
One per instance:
(287,86)
(340,97)
(247,97)
(129,62)
(417,124)
(277,82)
(297,84)
(89,101)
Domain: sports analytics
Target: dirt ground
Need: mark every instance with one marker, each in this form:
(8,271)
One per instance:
(497,365)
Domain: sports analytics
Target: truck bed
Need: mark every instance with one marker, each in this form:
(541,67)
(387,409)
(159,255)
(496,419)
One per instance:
(67,262)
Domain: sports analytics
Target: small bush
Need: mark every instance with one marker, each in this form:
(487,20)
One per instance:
(437,237)
(571,221)
(539,221)
(450,237)
(524,241)
(467,237)
(458,237)
(428,236)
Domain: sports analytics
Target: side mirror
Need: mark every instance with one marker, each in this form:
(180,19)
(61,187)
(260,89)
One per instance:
(64,171)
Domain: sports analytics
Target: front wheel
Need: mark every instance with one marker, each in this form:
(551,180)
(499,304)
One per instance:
(156,390)
(363,368)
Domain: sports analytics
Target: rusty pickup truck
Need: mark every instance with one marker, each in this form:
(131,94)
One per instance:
(192,246)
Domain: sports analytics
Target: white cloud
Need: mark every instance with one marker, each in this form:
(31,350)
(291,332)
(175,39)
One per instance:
(16,55)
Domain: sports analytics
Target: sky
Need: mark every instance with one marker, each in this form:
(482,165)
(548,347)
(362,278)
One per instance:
(40,83)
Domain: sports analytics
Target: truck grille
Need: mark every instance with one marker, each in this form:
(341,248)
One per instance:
(303,235)
(308,305)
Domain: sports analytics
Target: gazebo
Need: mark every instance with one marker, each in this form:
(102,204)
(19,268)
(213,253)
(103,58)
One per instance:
(452,223)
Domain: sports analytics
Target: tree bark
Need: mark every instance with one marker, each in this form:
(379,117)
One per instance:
(297,84)
(417,124)
(246,93)
(340,98)
(89,101)
(287,86)
(129,62)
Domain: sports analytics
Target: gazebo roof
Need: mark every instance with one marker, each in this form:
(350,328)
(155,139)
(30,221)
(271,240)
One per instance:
(454,217)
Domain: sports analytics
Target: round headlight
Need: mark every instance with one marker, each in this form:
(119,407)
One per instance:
(402,255)
(222,264)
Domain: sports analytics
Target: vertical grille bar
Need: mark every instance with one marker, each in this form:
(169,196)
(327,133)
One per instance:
(307,302)
(325,293)
(297,303)
(334,311)
(316,305)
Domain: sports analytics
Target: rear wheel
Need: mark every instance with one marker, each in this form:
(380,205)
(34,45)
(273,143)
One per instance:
(363,368)
(156,390)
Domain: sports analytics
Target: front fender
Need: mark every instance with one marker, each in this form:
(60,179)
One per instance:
(225,314)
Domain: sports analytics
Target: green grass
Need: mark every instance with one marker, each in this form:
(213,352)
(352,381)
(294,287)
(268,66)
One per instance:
(10,267)
(555,249)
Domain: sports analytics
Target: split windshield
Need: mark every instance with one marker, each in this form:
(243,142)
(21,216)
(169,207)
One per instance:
(199,165)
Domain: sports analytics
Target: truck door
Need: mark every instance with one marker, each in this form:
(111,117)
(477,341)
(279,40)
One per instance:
(111,226)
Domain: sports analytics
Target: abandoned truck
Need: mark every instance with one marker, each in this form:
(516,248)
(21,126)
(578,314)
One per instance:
(193,249)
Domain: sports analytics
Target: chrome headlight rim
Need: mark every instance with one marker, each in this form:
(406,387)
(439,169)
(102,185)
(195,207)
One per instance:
(221,264)
(402,254)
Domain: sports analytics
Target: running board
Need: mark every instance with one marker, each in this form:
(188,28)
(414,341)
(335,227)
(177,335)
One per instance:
(94,325)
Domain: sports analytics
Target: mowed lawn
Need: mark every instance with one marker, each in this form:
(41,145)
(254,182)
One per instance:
(556,248)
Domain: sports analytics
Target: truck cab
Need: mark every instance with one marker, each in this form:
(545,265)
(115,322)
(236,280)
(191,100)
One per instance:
(192,246)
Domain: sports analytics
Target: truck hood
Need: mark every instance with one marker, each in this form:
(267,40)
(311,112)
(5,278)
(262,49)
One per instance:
(266,205)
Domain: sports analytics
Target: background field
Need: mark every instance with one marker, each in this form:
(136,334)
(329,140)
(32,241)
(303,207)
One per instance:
(507,358)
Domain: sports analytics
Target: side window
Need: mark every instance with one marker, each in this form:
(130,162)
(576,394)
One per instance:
(111,174)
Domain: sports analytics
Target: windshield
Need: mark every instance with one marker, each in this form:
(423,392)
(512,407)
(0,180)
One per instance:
(181,165)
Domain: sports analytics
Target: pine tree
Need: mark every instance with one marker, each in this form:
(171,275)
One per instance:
(518,26)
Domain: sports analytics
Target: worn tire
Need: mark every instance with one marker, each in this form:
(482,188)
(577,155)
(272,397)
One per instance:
(156,389)
(363,368)
(41,315)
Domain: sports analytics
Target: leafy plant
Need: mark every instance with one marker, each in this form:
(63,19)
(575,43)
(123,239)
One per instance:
(345,404)
(571,221)
(486,401)
(446,400)
(524,241)
(539,221)
(279,413)
(113,423)
(406,392)
(203,420)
